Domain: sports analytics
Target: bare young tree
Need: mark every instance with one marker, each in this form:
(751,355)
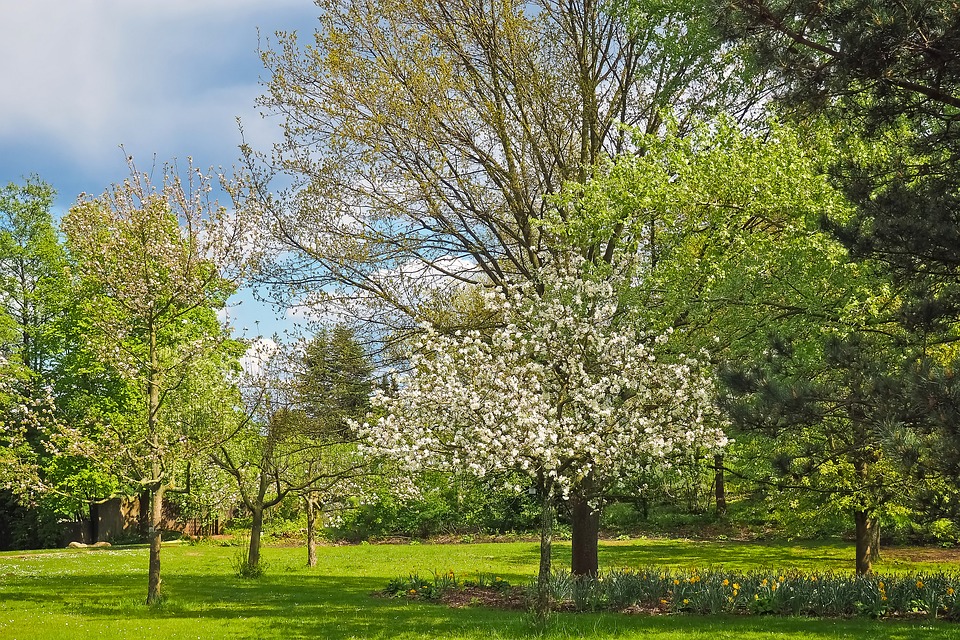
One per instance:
(155,264)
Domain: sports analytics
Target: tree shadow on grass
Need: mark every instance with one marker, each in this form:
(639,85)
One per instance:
(739,556)
(305,605)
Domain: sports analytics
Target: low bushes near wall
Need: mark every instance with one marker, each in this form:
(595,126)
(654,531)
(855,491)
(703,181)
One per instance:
(653,590)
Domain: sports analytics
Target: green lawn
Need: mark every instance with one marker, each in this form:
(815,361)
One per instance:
(98,594)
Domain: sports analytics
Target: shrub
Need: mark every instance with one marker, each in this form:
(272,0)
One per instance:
(762,592)
(794,593)
(241,563)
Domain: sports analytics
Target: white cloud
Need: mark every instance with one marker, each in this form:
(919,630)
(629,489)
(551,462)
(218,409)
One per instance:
(88,75)
(165,78)
(258,355)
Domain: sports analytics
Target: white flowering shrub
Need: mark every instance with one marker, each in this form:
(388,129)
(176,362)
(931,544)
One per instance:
(567,385)
(27,416)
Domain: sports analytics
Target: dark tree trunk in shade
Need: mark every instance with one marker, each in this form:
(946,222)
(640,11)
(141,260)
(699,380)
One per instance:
(585,535)
(94,522)
(720,486)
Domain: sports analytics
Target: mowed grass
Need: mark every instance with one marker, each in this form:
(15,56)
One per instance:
(99,593)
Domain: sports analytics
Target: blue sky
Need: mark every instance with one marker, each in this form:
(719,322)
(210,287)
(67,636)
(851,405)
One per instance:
(166,79)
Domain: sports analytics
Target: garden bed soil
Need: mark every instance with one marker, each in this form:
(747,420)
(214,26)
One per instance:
(514,598)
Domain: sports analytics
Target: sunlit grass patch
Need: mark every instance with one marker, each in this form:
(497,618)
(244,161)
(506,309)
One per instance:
(95,594)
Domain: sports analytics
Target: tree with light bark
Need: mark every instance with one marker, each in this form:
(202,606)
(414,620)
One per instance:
(422,137)
(156,263)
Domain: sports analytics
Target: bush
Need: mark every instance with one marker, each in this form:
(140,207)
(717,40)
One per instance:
(442,505)
(413,586)
(241,562)
(762,592)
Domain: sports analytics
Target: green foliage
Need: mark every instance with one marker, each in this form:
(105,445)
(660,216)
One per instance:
(32,278)
(413,586)
(791,593)
(440,505)
(31,526)
(335,379)
(885,75)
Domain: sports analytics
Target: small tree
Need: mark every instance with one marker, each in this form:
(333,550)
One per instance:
(567,390)
(333,384)
(155,264)
(295,439)
(32,280)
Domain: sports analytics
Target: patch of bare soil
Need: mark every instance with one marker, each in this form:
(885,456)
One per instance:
(512,598)
(921,554)
(515,598)
(637,609)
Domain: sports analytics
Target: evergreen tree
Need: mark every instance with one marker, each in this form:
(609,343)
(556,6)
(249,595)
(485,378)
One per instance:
(886,75)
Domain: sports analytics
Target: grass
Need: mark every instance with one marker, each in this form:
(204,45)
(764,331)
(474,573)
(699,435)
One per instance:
(99,593)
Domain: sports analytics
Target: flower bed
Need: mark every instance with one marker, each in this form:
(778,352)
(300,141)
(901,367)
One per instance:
(931,595)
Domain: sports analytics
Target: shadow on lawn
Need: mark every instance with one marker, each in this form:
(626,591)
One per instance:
(307,605)
(822,556)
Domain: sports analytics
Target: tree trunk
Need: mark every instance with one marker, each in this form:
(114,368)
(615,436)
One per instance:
(585,526)
(311,531)
(94,522)
(546,550)
(154,535)
(156,495)
(875,545)
(720,486)
(143,515)
(256,528)
(866,533)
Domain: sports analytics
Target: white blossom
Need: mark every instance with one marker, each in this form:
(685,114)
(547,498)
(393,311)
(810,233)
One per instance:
(567,386)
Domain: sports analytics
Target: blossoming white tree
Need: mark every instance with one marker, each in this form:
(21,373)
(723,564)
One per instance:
(567,389)
(24,410)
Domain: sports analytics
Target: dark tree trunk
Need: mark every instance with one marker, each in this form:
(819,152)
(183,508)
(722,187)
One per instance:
(867,536)
(311,531)
(720,486)
(94,523)
(256,529)
(585,534)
